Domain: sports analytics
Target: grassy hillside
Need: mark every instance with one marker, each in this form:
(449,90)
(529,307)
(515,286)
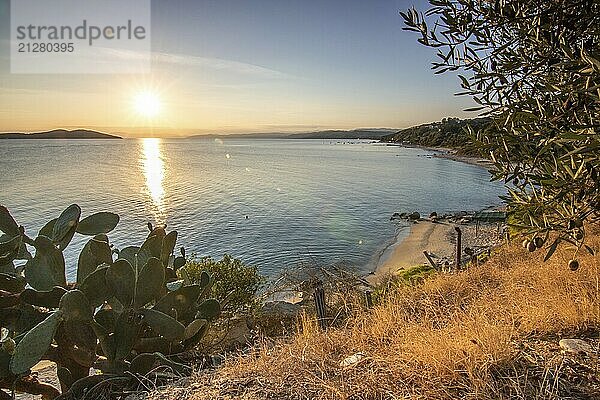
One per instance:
(490,332)
(450,133)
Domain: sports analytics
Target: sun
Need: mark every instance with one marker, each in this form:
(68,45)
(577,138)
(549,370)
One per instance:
(147,104)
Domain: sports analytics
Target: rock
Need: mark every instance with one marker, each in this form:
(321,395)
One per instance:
(238,333)
(414,216)
(433,215)
(395,216)
(575,346)
(278,317)
(352,360)
(280,308)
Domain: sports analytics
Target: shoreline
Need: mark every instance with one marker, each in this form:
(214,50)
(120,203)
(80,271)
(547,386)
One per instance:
(439,240)
(434,237)
(445,152)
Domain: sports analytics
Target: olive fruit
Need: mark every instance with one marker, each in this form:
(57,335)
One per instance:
(579,235)
(539,242)
(573,265)
(531,247)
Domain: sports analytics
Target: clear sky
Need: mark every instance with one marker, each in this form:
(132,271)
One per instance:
(232,66)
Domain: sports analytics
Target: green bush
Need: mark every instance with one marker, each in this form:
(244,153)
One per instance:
(236,284)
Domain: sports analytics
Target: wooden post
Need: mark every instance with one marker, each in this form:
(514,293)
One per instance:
(369,298)
(458,246)
(319,296)
(433,264)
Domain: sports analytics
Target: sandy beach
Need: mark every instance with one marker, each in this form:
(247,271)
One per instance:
(439,240)
(450,154)
(423,235)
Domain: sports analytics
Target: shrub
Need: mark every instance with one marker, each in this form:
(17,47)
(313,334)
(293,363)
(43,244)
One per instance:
(236,284)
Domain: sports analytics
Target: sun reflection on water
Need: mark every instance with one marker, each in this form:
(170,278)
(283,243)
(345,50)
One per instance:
(154,172)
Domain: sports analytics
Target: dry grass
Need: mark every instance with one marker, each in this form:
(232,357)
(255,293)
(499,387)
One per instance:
(487,333)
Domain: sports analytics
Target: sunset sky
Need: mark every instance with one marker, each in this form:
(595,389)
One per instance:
(234,66)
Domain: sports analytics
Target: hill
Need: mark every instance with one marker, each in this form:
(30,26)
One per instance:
(60,134)
(449,133)
(363,133)
(372,133)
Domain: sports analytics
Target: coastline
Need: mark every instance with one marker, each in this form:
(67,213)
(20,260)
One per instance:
(434,237)
(439,240)
(447,153)
(451,155)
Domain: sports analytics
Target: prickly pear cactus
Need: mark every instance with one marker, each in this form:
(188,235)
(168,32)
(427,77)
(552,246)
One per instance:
(126,312)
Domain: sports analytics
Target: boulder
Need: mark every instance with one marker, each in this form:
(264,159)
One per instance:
(278,317)
(575,346)
(238,333)
(414,216)
(280,308)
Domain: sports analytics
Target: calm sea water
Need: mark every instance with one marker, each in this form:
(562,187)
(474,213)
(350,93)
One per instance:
(272,203)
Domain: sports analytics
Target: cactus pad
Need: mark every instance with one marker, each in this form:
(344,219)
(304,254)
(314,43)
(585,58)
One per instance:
(65,226)
(7,222)
(75,306)
(120,277)
(12,283)
(209,309)
(164,325)
(102,222)
(32,347)
(47,268)
(43,298)
(95,287)
(150,281)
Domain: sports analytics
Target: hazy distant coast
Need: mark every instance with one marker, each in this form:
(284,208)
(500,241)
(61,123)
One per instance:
(361,133)
(60,134)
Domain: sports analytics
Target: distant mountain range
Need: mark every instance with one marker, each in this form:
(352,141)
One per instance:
(450,132)
(60,134)
(366,133)
(363,133)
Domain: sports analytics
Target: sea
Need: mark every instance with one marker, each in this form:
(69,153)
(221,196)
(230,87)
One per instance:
(273,203)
